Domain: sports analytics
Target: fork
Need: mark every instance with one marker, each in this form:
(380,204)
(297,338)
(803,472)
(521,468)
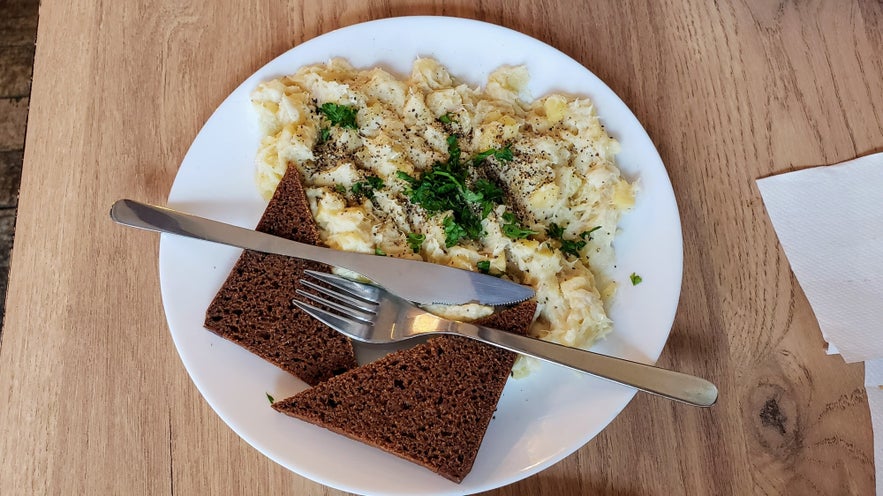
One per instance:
(371,314)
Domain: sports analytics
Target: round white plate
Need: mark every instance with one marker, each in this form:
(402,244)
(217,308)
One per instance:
(540,419)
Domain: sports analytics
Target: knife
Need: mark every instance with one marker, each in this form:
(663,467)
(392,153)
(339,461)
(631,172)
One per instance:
(420,282)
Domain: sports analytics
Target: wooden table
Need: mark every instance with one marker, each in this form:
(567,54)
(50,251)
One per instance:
(93,398)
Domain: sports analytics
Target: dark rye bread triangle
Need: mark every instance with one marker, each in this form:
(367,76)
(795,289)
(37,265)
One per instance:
(253,307)
(430,404)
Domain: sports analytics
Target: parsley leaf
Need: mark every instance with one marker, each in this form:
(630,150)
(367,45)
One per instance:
(367,187)
(484,266)
(587,235)
(362,188)
(635,278)
(340,115)
(269,398)
(375,182)
(379,252)
(415,241)
(453,232)
(489,190)
(466,193)
(404,176)
(503,155)
(489,195)
(324,134)
(340,188)
(555,231)
(446,119)
(513,229)
(453,150)
(572,247)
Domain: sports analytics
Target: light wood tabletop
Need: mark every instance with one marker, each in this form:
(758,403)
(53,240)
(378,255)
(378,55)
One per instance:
(93,396)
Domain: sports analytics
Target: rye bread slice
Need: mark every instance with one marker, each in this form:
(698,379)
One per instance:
(253,307)
(430,404)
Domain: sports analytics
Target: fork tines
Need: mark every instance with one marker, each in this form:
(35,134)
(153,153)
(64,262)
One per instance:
(349,307)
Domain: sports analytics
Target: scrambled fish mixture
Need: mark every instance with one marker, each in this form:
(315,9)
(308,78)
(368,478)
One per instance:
(483,179)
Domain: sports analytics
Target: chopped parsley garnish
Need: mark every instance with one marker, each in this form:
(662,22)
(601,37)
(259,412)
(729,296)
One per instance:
(570,246)
(635,278)
(555,231)
(513,229)
(447,118)
(340,188)
(368,186)
(404,176)
(453,150)
(587,235)
(324,134)
(379,252)
(504,155)
(484,266)
(362,188)
(269,398)
(415,241)
(340,115)
(453,232)
(445,188)
(375,182)
(489,195)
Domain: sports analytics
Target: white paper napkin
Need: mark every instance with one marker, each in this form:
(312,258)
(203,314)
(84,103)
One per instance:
(829,221)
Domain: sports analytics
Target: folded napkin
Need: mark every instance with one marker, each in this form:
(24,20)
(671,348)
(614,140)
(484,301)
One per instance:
(829,221)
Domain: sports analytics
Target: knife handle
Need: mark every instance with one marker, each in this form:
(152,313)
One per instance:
(165,220)
(417,281)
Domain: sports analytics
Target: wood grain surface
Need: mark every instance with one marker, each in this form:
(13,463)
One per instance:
(94,400)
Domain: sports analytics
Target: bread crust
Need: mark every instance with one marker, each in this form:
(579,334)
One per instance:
(430,404)
(253,307)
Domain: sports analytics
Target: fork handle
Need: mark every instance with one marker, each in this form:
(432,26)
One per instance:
(667,383)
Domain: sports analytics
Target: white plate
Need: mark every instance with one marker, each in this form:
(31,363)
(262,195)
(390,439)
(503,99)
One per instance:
(540,419)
